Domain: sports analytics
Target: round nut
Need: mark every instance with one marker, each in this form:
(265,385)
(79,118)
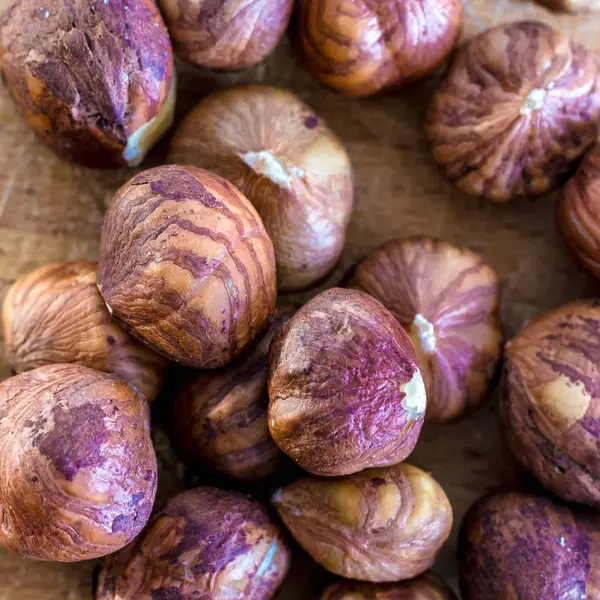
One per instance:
(515,545)
(520,104)
(186,265)
(229,34)
(77,466)
(550,403)
(55,314)
(288,163)
(345,388)
(204,543)
(446,298)
(360,48)
(378,525)
(94,79)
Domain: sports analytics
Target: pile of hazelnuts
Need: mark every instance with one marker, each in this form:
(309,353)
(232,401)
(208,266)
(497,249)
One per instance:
(329,397)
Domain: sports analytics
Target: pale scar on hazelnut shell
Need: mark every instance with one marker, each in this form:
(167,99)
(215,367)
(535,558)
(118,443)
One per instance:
(415,397)
(534,100)
(265,163)
(426,333)
(563,400)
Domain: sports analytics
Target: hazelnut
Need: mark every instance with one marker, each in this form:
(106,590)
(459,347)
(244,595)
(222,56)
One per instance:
(77,464)
(515,545)
(229,34)
(55,314)
(520,104)
(550,405)
(186,265)
(94,79)
(345,388)
(360,48)
(204,543)
(446,298)
(219,417)
(571,6)
(288,163)
(377,525)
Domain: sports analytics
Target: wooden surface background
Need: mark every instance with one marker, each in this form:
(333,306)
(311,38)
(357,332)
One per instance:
(50,210)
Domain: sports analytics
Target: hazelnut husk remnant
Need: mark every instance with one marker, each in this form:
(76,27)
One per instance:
(518,107)
(550,403)
(515,545)
(360,48)
(288,163)
(378,525)
(227,35)
(93,78)
(446,298)
(76,461)
(187,266)
(346,391)
(204,544)
(55,314)
(219,417)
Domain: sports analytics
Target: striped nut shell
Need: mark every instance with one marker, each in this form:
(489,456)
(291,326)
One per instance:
(203,544)
(287,162)
(346,392)
(77,466)
(446,298)
(550,406)
(226,34)
(379,525)
(360,47)
(519,105)
(186,265)
(55,314)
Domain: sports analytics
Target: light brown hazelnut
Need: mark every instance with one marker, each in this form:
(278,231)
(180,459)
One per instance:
(94,79)
(204,544)
(288,163)
(446,298)
(77,466)
(187,266)
(360,48)
(55,314)
(550,406)
(346,391)
(520,104)
(227,35)
(378,525)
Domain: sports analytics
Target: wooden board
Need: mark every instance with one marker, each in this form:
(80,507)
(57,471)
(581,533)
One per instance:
(50,210)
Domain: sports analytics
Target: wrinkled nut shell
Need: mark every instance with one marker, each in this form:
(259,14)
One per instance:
(55,314)
(229,34)
(94,79)
(360,48)
(346,392)
(378,525)
(446,298)
(77,466)
(520,104)
(550,407)
(186,265)
(288,163)
(203,544)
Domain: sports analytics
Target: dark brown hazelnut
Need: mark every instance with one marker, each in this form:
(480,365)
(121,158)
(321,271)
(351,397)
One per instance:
(346,391)
(550,406)
(219,417)
(76,461)
(360,48)
(288,163)
(187,266)
(446,298)
(571,6)
(55,314)
(204,544)
(377,525)
(520,105)
(515,545)
(94,79)
(227,35)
